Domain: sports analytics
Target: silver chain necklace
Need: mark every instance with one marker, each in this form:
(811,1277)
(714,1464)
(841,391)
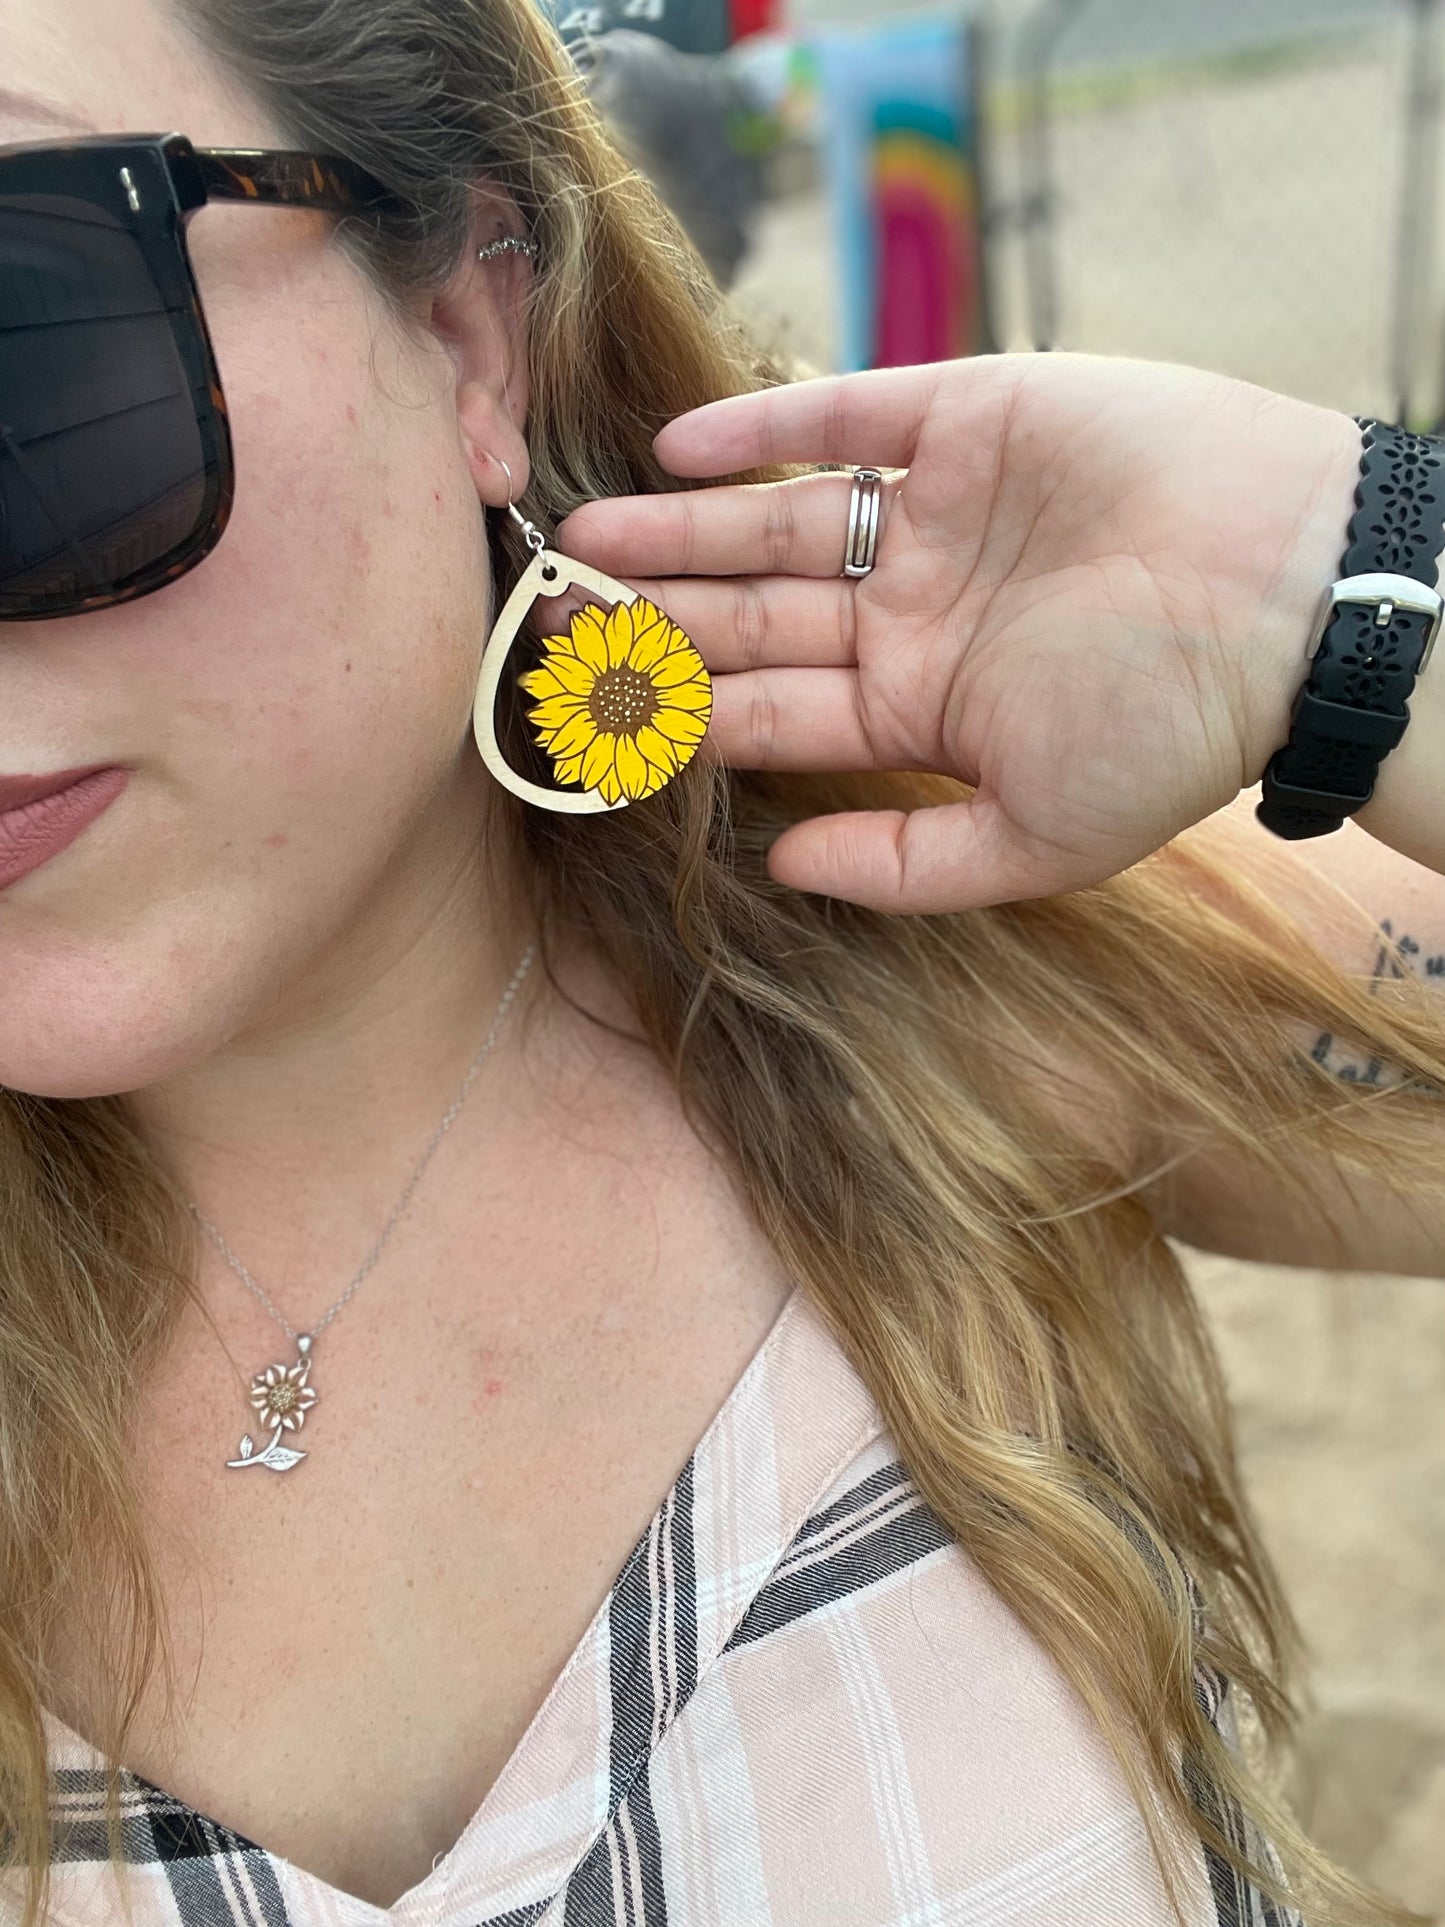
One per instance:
(281,1394)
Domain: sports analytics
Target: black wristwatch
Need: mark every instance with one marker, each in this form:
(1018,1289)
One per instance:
(1376,629)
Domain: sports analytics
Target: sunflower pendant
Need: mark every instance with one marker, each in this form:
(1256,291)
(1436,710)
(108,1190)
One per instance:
(623,698)
(282,1398)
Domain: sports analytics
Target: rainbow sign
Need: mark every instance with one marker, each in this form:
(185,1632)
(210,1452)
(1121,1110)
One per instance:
(900,138)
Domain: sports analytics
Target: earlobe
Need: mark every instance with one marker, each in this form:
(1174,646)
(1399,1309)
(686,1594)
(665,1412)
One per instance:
(496,452)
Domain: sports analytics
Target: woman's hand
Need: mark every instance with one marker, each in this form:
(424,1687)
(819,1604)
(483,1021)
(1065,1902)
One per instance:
(1095,588)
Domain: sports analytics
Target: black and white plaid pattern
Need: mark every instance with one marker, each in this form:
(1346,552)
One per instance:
(800,1706)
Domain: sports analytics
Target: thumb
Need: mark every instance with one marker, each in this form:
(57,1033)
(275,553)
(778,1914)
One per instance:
(948,856)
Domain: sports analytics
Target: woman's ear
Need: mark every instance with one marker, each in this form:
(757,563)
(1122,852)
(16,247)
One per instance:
(481,319)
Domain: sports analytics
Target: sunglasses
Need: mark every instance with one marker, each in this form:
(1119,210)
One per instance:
(116,465)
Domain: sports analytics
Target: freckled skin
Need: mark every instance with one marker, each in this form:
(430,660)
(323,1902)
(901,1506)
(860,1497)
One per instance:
(317,669)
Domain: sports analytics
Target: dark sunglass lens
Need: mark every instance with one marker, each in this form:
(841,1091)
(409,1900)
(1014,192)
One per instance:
(102,469)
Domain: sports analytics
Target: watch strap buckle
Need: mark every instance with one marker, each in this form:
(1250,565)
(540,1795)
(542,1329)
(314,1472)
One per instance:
(1386,591)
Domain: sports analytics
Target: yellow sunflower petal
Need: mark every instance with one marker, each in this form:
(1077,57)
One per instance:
(621,634)
(571,738)
(589,640)
(598,758)
(645,613)
(678,665)
(559,674)
(633,770)
(658,750)
(609,788)
(693,696)
(569,770)
(657,778)
(655,636)
(679,726)
(646,617)
(553,711)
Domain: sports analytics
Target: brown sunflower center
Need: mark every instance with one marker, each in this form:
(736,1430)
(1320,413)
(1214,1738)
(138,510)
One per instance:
(623,700)
(282,1398)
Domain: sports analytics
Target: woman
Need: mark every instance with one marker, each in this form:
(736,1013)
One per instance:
(766,1465)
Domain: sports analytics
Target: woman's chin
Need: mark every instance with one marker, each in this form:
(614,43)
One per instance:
(76,1073)
(78,1039)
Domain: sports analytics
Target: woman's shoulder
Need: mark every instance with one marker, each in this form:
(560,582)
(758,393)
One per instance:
(881,1718)
(859,1699)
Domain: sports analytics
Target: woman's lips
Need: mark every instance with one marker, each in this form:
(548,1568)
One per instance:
(40,815)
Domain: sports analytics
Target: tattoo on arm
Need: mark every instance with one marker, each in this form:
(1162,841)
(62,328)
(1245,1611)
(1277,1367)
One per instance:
(1391,960)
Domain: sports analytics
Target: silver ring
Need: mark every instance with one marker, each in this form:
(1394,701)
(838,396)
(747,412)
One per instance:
(863,522)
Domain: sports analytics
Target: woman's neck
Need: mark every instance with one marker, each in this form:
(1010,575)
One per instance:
(304,1126)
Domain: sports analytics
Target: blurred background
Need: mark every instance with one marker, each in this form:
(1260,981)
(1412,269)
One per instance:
(1246,185)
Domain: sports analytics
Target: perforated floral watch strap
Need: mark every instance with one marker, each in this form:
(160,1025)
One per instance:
(1352,709)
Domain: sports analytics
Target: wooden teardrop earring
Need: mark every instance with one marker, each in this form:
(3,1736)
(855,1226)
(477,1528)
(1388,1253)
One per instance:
(622,698)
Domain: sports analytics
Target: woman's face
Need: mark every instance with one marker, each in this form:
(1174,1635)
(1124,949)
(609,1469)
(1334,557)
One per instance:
(294,713)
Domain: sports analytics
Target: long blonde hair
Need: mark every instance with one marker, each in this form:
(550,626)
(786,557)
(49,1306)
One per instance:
(893,1093)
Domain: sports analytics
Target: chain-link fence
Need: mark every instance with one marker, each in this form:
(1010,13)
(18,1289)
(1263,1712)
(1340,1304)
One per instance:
(1247,188)
(1243,188)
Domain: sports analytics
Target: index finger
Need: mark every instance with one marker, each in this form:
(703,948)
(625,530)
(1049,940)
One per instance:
(872,418)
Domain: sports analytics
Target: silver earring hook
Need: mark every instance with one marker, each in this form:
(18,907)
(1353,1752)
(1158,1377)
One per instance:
(534,537)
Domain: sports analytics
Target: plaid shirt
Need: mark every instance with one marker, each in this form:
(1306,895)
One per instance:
(800,1706)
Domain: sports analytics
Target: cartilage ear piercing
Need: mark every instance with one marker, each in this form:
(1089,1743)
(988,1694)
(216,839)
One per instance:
(508,244)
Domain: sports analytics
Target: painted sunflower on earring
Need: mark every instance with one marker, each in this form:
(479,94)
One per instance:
(623,700)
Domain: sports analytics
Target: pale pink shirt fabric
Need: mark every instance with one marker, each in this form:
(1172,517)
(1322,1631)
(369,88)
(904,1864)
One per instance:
(801,1706)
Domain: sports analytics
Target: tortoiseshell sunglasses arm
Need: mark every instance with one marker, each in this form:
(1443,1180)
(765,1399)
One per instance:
(282,177)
